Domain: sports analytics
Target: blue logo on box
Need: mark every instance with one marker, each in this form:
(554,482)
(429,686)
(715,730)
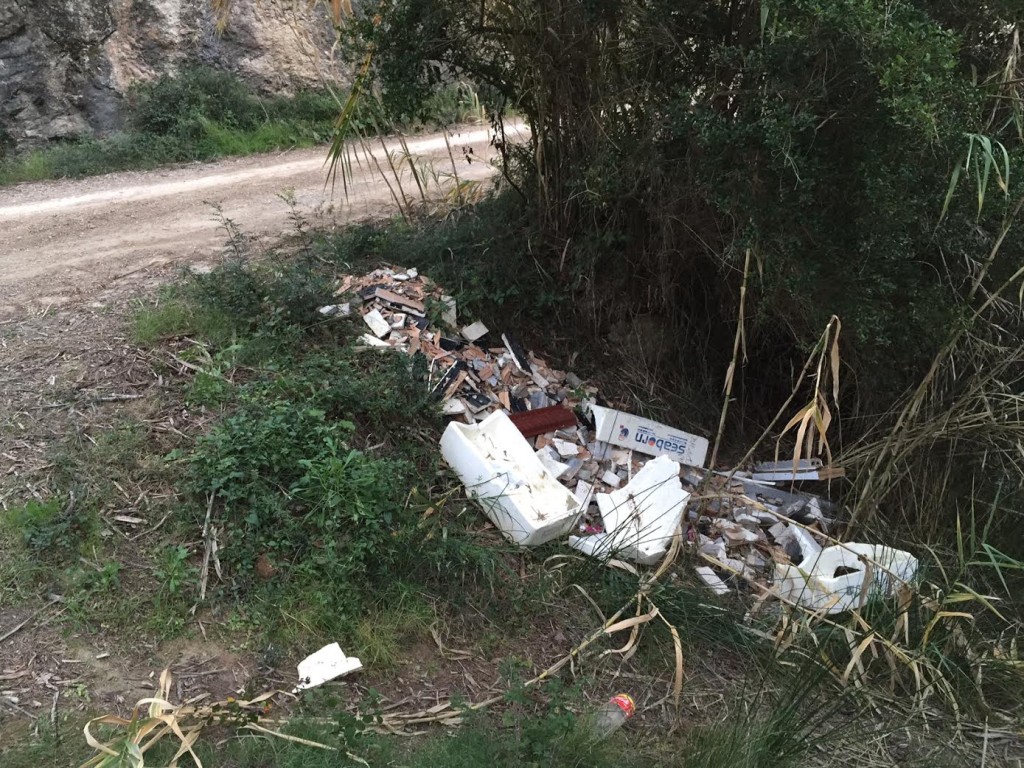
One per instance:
(623,433)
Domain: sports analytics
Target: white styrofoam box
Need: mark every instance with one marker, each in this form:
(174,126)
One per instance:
(501,471)
(648,437)
(814,583)
(640,518)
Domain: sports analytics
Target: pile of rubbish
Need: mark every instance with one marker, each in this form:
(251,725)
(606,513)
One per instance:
(547,459)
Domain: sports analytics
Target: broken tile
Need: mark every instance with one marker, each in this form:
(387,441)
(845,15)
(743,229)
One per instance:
(566,449)
(475,331)
(712,580)
(448,316)
(375,320)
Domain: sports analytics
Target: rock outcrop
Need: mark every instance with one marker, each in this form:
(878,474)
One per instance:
(65,65)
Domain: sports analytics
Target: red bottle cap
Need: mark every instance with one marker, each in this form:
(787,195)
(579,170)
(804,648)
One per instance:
(624,702)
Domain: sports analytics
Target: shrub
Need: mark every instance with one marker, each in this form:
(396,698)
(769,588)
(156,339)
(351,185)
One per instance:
(179,104)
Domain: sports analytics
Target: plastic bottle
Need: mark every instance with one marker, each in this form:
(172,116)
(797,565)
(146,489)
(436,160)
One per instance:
(612,714)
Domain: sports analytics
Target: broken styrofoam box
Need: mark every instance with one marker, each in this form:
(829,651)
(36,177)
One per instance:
(799,544)
(640,518)
(516,490)
(326,664)
(648,437)
(552,464)
(837,580)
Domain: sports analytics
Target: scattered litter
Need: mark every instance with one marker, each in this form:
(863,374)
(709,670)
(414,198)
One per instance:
(543,420)
(449,316)
(326,664)
(611,716)
(336,310)
(785,472)
(520,441)
(500,470)
(373,341)
(837,579)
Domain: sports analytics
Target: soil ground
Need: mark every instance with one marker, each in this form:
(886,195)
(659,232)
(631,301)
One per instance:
(79,241)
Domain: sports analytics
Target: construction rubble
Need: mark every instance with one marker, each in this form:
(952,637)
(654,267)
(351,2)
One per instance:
(548,459)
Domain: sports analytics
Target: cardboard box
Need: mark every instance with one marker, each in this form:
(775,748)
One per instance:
(648,437)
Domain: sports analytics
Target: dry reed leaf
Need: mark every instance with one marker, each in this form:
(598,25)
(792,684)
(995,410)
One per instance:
(939,617)
(855,658)
(633,622)
(677,680)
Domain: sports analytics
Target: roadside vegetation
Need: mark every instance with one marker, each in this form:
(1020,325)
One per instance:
(203,114)
(314,467)
(810,219)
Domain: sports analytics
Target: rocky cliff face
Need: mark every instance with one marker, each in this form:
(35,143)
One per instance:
(66,64)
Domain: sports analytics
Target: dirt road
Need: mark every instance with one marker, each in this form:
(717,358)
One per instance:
(68,241)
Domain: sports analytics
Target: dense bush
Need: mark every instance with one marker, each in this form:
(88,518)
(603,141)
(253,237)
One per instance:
(671,137)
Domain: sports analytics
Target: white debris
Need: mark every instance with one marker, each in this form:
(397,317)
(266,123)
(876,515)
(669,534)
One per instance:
(835,579)
(326,664)
(375,320)
(474,331)
(735,533)
(512,484)
(453,407)
(800,539)
(711,578)
(449,316)
(372,341)
(566,448)
(648,437)
(583,493)
(610,478)
(641,518)
(551,462)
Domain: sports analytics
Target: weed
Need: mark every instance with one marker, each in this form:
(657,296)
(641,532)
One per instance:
(53,526)
(173,571)
(263,294)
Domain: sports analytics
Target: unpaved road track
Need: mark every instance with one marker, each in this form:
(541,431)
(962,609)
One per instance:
(68,241)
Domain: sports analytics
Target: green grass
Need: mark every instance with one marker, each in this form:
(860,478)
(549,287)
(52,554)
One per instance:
(171,317)
(140,152)
(390,625)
